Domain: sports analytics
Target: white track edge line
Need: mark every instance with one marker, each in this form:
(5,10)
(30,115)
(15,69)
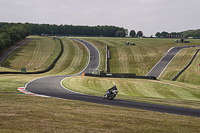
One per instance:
(80,72)
(65,77)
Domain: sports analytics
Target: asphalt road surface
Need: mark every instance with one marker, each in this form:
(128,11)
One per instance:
(165,60)
(51,86)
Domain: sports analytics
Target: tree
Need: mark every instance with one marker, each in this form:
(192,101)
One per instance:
(126,32)
(132,33)
(139,34)
(11,33)
(164,34)
(158,35)
(120,33)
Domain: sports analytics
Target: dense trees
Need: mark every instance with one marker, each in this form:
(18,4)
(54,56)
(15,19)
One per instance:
(185,34)
(108,31)
(192,33)
(38,29)
(165,34)
(120,33)
(12,33)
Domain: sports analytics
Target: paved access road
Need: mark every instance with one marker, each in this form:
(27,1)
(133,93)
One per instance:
(165,60)
(51,86)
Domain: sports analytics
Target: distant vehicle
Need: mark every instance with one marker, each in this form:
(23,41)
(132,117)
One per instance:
(111,93)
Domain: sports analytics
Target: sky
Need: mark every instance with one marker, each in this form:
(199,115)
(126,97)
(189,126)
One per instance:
(149,16)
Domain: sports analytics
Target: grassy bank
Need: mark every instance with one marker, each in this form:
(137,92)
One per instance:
(23,113)
(160,92)
(137,59)
(38,53)
(191,74)
(74,59)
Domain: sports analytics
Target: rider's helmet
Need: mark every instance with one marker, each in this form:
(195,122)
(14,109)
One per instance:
(115,86)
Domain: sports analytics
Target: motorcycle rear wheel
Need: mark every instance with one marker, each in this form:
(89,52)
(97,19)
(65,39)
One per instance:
(111,96)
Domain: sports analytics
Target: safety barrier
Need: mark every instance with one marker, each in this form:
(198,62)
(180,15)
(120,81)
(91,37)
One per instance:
(120,75)
(107,59)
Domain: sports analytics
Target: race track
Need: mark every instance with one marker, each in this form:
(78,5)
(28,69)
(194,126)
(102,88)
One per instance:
(163,63)
(51,86)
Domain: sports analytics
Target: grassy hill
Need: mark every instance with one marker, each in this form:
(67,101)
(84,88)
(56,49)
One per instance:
(22,113)
(74,59)
(137,59)
(160,92)
(140,59)
(38,53)
(42,51)
(191,74)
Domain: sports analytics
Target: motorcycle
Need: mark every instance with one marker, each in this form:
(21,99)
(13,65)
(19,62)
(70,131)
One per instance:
(110,94)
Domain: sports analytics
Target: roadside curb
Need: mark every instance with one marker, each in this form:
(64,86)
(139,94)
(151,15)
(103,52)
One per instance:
(24,91)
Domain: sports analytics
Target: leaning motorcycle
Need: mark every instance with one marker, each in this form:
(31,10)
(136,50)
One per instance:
(110,94)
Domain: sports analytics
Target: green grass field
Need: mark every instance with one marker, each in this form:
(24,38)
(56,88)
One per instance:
(138,59)
(160,92)
(191,74)
(74,59)
(22,113)
(38,53)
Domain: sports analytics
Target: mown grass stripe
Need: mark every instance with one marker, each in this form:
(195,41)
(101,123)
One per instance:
(132,89)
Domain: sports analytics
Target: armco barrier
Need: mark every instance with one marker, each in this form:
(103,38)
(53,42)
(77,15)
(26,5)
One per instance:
(120,75)
(175,77)
(107,59)
(45,70)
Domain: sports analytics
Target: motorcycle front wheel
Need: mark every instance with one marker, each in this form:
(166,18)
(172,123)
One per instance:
(105,96)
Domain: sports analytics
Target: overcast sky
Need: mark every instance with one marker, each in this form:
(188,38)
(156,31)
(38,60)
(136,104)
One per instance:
(149,16)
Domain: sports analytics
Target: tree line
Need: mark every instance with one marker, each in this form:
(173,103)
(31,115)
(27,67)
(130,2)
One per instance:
(13,32)
(165,34)
(184,34)
(192,33)
(9,34)
(71,30)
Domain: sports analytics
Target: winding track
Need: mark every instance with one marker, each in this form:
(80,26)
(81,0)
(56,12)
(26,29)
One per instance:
(51,86)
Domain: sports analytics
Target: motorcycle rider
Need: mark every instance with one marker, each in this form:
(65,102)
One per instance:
(109,91)
(113,88)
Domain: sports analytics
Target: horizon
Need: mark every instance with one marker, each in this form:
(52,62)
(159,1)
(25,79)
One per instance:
(143,15)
